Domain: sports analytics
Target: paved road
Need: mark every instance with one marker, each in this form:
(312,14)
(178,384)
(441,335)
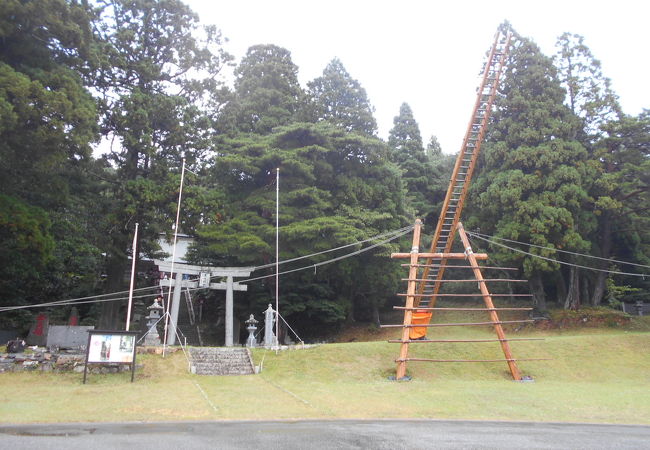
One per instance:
(312,435)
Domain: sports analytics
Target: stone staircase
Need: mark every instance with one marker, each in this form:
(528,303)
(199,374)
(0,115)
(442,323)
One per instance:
(221,361)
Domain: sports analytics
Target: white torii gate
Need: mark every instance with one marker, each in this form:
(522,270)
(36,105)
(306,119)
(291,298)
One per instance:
(204,273)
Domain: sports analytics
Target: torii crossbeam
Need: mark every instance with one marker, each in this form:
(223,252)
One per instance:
(208,272)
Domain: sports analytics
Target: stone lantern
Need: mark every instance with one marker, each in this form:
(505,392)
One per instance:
(152,337)
(251,322)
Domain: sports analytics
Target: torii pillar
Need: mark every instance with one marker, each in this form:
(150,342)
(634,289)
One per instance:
(202,275)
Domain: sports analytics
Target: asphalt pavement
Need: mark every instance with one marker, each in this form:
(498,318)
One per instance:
(333,434)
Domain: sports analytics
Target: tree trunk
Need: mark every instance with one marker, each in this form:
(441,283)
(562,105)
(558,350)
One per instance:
(606,252)
(375,314)
(537,288)
(561,286)
(109,318)
(572,300)
(584,288)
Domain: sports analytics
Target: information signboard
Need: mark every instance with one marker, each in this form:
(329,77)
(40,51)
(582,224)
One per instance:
(111,347)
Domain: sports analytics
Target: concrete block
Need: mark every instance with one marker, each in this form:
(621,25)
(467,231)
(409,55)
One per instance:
(64,336)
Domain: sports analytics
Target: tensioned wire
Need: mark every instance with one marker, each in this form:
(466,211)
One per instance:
(514,249)
(98,298)
(557,250)
(374,238)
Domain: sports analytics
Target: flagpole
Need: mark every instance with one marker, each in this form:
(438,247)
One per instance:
(134,253)
(171,275)
(277,257)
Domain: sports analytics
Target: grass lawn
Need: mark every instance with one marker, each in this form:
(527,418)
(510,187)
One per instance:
(595,375)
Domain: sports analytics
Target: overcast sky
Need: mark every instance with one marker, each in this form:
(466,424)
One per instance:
(429,53)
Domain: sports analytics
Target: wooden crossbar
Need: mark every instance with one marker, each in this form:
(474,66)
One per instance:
(473,360)
(438,255)
(465,295)
(426,341)
(510,280)
(457,324)
(459,267)
(460,309)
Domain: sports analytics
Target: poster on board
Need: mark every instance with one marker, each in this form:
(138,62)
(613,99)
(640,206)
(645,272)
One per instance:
(111,348)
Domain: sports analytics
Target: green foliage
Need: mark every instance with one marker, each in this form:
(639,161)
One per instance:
(155,103)
(404,138)
(341,100)
(267,93)
(335,188)
(425,176)
(534,176)
(46,115)
(589,92)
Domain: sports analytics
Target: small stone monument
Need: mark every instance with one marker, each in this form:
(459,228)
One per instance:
(152,337)
(269,322)
(251,322)
(38,332)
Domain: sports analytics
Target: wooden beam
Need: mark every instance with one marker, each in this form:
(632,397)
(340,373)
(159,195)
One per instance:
(458,324)
(437,256)
(468,295)
(514,370)
(509,360)
(452,266)
(465,309)
(408,315)
(426,341)
(473,281)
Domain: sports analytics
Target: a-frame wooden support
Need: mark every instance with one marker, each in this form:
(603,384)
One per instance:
(412,297)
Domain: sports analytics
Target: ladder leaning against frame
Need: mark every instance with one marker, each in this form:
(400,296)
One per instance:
(426,278)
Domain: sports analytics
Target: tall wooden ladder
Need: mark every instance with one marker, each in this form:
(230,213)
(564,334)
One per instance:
(426,269)
(452,206)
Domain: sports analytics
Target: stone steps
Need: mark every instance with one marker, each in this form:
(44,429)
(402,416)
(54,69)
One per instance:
(221,361)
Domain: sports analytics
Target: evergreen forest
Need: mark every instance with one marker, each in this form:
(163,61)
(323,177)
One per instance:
(562,170)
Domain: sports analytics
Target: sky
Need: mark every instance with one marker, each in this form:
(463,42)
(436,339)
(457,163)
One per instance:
(429,53)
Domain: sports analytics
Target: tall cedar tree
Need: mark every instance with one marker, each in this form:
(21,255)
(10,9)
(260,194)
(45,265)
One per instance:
(267,93)
(339,99)
(531,184)
(424,177)
(622,193)
(154,54)
(615,143)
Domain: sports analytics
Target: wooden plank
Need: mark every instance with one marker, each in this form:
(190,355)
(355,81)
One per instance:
(509,280)
(452,266)
(426,341)
(438,256)
(464,309)
(462,324)
(509,360)
(467,295)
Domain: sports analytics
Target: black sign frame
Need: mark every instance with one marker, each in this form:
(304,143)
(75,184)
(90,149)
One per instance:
(111,333)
